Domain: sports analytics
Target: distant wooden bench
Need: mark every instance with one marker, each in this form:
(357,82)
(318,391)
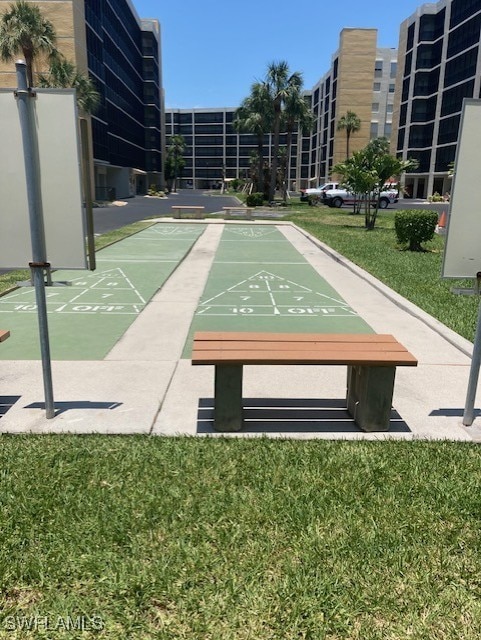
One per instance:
(245,211)
(371,366)
(196,212)
(4,334)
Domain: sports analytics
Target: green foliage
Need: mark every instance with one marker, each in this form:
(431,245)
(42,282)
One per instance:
(189,538)
(255,199)
(155,191)
(436,197)
(414,226)
(24,31)
(64,74)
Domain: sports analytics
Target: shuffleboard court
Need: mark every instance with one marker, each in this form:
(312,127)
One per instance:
(87,317)
(260,282)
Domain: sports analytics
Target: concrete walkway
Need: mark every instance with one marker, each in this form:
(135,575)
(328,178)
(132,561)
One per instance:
(144,386)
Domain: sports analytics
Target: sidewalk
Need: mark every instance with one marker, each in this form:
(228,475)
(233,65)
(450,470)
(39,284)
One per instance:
(144,386)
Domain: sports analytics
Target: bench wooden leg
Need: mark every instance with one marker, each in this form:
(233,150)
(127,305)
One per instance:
(228,398)
(369,396)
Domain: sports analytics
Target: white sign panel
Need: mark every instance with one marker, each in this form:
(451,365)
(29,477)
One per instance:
(462,254)
(55,117)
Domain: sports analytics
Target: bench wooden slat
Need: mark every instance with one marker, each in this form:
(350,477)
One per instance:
(297,337)
(4,334)
(274,345)
(392,358)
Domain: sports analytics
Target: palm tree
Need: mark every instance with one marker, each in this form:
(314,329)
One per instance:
(350,123)
(64,74)
(23,30)
(255,116)
(298,114)
(281,84)
(174,162)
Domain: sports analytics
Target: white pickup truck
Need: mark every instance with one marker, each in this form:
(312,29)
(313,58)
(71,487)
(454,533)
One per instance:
(317,191)
(337,197)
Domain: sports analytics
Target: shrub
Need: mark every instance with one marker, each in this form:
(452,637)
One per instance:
(255,199)
(436,197)
(414,226)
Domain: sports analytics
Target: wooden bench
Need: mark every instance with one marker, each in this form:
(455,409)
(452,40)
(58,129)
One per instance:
(4,334)
(245,211)
(371,366)
(196,212)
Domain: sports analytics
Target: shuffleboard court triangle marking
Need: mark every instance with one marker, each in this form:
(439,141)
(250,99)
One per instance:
(251,233)
(265,282)
(110,280)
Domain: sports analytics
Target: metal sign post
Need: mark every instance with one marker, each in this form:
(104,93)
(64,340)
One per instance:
(39,262)
(468,417)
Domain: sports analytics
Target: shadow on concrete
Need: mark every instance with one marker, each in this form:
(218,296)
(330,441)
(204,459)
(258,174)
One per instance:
(292,415)
(452,413)
(61,407)
(6,403)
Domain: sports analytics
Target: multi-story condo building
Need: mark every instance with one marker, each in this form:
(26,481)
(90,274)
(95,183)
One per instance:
(121,52)
(439,66)
(215,151)
(361,79)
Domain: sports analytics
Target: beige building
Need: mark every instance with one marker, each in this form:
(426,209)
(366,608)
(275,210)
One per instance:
(68,17)
(361,79)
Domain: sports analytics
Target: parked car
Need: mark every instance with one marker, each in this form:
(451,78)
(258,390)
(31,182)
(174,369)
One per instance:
(317,191)
(338,197)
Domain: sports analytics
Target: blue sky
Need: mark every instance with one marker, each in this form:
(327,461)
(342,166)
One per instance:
(214,50)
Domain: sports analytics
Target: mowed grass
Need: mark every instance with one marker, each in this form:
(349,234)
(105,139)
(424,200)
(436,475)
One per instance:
(416,276)
(233,539)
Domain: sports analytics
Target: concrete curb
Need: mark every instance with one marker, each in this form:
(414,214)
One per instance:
(463,345)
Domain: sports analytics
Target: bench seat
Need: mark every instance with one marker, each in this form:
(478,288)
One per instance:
(196,212)
(4,334)
(371,361)
(245,211)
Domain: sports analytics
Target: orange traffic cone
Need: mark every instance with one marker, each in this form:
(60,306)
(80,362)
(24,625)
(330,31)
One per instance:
(441,228)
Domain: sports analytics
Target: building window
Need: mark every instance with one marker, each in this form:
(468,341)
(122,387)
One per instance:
(393,70)
(389,108)
(375,107)
(392,88)
(374,129)
(378,69)
(462,9)
(377,86)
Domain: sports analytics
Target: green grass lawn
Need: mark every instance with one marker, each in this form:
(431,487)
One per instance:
(239,539)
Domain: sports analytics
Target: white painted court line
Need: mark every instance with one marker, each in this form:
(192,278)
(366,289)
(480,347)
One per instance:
(264,290)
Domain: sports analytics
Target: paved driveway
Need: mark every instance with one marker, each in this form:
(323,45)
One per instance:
(140,207)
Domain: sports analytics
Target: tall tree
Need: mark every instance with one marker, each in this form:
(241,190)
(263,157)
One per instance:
(297,115)
(281,84)
(23,30)
(350,123)
(175,161)
(255,116)
(64,74)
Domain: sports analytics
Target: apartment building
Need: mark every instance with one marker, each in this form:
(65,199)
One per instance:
(361,79)
(122,53)
(439,66)
(215,151)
